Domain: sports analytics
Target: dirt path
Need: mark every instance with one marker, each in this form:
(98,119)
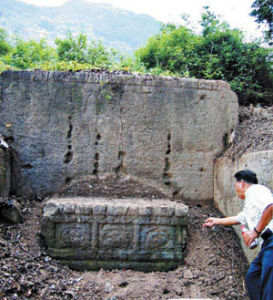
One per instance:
(214,267)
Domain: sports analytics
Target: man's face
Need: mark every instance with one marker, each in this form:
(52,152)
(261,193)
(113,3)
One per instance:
(239,188)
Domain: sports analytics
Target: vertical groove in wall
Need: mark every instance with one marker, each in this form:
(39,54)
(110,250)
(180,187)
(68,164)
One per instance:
(96,156)
(120,168)
(69,154)
(167,175)
(166,172)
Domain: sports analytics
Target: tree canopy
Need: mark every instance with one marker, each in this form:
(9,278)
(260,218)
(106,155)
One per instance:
(4,46)
(263,11)
(219,52)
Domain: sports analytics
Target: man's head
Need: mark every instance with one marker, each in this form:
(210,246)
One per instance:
(244,179)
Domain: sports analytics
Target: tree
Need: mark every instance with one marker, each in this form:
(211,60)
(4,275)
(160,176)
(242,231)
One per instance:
(100,56)
(72,48)
(219,53)
(25,54)
(225,55)
(77,49)
(4,45)
(172,49)
(263,11)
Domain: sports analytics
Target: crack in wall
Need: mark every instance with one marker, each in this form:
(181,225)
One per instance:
(69,154)
(96,163)
(167,175)
(69,133)
(120,168)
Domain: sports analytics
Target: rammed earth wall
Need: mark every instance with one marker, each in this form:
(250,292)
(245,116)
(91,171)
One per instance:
(163,132)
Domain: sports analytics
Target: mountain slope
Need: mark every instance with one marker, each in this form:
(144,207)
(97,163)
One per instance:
(121,29)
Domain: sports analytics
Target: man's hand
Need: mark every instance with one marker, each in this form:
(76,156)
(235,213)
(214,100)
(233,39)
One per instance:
(210,222)
(249,237)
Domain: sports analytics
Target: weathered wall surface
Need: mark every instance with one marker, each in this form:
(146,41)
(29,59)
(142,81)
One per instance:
(163,131)
(224,194)
(5,173)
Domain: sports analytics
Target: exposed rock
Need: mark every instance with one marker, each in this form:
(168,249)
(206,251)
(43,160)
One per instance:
(163,131)
(188,274)
(10,210)
(5,173)
(3,144)
(108,287)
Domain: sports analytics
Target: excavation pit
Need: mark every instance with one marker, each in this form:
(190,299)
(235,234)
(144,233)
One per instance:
(94,233)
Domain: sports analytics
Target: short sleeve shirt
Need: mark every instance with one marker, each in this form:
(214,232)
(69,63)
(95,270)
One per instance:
(257,198)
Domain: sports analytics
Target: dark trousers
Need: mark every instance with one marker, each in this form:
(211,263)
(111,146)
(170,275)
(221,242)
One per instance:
(259,278)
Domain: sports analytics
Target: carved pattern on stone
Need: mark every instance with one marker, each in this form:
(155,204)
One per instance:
(132,233)
(75,235)
(116,236)
(157,237)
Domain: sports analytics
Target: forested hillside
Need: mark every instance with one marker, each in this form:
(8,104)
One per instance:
(219,52)
(117,28)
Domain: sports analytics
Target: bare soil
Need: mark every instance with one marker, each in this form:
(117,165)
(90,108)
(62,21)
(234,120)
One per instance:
(214,267)
(254,131)
(214,262)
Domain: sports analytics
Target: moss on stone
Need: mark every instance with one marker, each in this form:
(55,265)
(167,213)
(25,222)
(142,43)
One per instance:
(110,265)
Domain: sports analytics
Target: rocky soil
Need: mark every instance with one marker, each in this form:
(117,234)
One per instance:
(214,267)
(214,263)
(254,131)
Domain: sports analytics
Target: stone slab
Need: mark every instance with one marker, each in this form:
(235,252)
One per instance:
(10,210)
(91,233)
(162,131)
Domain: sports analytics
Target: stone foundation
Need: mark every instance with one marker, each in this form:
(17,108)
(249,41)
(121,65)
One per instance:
(94,233)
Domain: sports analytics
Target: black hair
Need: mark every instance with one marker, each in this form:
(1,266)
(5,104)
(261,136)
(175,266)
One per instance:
(247,176)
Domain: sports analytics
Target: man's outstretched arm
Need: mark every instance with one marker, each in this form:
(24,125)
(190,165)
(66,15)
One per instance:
(228,221)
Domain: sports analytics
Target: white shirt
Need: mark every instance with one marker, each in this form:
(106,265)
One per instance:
(257,198)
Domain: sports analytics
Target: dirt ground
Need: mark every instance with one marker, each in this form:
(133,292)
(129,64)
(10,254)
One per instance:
(254,131)
(214,263)
(214,267)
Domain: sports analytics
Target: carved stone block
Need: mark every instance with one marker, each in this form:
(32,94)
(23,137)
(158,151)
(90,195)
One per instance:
(116,236)
(94,233)
(157,237)
(73,235)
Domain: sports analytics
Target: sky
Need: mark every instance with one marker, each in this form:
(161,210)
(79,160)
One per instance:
(235,12)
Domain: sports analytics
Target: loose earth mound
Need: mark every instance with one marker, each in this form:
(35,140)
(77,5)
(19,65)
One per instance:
(215,267)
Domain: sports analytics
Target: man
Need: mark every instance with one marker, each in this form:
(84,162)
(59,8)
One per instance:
(257,215)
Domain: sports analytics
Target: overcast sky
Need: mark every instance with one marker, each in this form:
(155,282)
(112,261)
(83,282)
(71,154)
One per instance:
(235,12)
